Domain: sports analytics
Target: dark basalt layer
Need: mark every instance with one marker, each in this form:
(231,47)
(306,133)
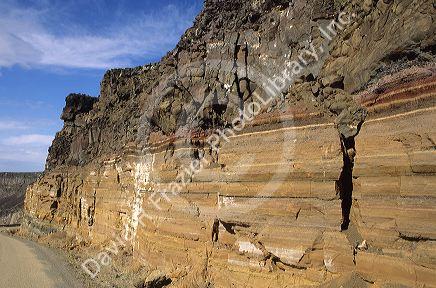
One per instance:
(76,104)
(203,82)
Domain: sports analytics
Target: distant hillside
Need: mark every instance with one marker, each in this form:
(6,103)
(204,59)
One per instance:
(12,190)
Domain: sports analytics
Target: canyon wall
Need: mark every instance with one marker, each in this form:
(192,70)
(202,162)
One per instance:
(12,191)
(270,148)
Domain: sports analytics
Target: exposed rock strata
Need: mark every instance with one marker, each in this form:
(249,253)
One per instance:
(268,208)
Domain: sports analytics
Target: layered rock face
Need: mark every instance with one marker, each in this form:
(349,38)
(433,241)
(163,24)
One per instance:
(394,182)
(12,191)
(270,148)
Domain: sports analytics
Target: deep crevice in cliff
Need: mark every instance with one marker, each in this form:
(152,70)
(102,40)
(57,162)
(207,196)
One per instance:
(349,122)
(344,185)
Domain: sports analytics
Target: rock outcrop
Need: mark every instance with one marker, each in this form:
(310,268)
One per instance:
(12,191)
(280,144)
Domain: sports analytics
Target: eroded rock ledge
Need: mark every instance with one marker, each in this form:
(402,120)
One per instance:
(349,146)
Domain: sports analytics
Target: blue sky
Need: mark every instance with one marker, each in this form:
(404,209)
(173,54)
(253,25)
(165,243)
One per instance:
(50,48)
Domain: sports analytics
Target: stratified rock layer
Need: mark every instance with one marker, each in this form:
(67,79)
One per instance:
(394,200)
(349,146)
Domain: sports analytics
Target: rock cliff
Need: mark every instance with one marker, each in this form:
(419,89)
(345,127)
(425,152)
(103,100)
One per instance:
(280,144)
(12,191)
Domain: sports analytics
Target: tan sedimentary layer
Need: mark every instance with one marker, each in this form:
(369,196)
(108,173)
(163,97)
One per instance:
(265,210)
(394,204)
(287,216)
(273,194)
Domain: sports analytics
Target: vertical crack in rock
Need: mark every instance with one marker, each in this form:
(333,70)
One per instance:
(239,91)
(91,210)
(79,212)
(236,51)
(238,79)
(348,123)
(345,182)
(215,230)
(297,214)
(53,208)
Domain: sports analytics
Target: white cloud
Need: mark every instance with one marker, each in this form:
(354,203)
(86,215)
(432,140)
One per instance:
(24,152)
(27,40)
(28,157)
(30,139)
(12,125)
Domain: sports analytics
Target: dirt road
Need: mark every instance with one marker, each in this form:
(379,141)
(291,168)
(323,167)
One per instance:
(25,264)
